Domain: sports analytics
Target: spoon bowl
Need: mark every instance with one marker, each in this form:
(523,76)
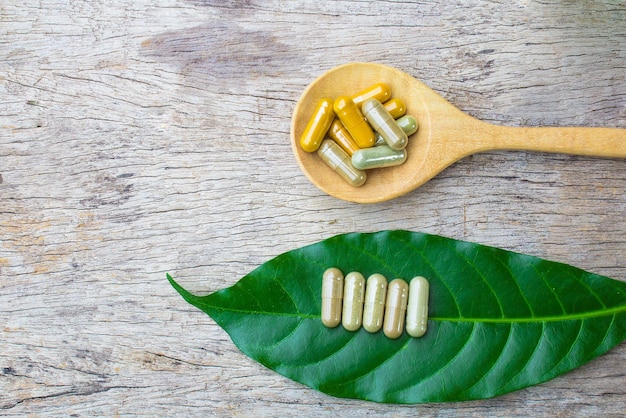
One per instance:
(445,135)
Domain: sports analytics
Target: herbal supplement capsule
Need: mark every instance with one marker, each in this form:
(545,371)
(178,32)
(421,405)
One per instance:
(353,295)
(353,120)
(377,157)
(408,125)
(379,91)
(340,134)
(395,308)
(395,107)
(340,162)
(417,309)
(384,124)
(318,125)
(332,295)
(374,309)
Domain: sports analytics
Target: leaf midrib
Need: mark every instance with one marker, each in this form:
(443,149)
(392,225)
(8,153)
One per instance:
(551,318)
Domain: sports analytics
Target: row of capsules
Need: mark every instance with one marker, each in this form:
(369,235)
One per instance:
(373,136)
(374,304)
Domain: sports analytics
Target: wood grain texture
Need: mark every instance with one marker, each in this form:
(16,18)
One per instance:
(138,138)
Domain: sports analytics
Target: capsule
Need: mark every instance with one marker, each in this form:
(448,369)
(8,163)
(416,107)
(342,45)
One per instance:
(417,309)
(377,157)
(406,122)
(353,120)
(318,125)
(395,308)
(384,124)
(353,295)
(332,296)
(374,307)
(379,91)
(395,107)
(340,162)
(341,136)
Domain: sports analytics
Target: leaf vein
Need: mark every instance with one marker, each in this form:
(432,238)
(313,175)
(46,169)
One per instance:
(443,367)
(439,276)
(275,278)
(528,360)
(556,296)
(483,278)
(378,366)
(572,344)
(495,362)
(519,288)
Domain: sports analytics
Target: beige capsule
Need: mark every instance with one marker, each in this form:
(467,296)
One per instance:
(339,161)
(417,308)
(383,123)
(332,295)
(374,306)
(395,309)
(353,295)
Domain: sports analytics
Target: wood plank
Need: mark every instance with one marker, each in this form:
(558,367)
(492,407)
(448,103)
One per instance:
(138,138)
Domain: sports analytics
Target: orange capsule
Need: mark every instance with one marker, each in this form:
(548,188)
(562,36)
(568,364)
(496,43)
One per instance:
(318,125)
(355,123)
(395,107)
(379,91)
(340,134)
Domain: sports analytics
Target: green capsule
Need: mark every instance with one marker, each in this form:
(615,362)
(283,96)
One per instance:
(408,125)
(383,123)
(337,159)
(353,295)
(377,157)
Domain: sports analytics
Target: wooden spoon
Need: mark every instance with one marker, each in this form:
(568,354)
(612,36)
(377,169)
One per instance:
(445,135)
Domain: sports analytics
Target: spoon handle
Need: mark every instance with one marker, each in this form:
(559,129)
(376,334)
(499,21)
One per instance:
(597,142)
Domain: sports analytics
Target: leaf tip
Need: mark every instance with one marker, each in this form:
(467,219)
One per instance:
(184,293)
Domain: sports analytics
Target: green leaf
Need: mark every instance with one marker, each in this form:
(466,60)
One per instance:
(499,321)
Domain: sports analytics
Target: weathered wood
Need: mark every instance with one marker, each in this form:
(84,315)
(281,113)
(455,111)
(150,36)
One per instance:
(138,138)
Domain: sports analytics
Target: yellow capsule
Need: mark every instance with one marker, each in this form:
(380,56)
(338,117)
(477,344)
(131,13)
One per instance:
(380,91)
(318,125)
(332,295)
(395,308)
(417,309)
(384,124)
(340,162)
(353,295)
(374,307)
(341,136)
(395,107)
(355,123)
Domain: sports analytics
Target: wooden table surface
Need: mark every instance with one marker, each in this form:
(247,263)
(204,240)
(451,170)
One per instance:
(145,137)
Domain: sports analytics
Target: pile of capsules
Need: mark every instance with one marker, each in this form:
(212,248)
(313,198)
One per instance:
(373,136)
(353,302)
